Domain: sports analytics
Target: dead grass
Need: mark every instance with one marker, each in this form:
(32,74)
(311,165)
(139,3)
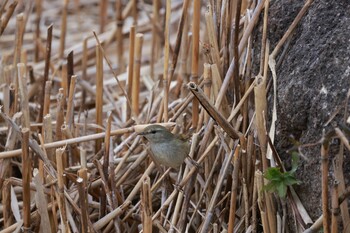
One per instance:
(79,79)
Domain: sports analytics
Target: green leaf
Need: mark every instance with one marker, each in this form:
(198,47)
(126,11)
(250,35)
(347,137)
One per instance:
(295,161)
(281,190)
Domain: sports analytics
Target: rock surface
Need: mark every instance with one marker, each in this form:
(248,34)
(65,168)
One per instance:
(313,80)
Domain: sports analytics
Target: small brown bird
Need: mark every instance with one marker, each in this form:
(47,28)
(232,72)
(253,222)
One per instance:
(168,149)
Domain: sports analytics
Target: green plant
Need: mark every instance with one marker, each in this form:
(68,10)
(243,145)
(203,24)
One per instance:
(279,181)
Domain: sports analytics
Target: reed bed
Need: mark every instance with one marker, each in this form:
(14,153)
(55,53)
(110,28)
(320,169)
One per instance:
(80,79)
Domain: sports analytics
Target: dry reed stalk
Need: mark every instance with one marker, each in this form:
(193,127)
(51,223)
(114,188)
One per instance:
(20,26)
(166,78)
(42,205)
(133,166)
(60,188)
(73,147)
(103,14)
(107,145)
(46,75)
(63,28)
(46,103)
(184,56)
(119,35)
(207,86)
(236,54)
(339,176)
(64,79)
(214,47)
(17,53)
(107,195)
(235,175)
(22,82)
(222,176)
(38,11)
(48,135)
(261,201)
(4,21)
(264,38)
(134,11)
(155,39)
(26,178)
(335,208)
(91,137)
(60,113)
(83,204)
(84,64)
(195,57)
(131,67)
(146,205)
(179,35)
(6,203)
(261,111)
(324,169)
(136,74)
(99,95)
(291,28)
(106,219)
(70,103)
(213,112)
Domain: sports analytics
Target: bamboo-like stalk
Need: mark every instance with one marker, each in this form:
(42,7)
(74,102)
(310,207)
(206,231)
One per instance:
(223,173)
(84,64)
(119,36)
(324,169)
(214,47)
(38,7)
(136,74)
(60,188)
(261,201)
(213,112)
(48,135)
(237,165)
(42,205)
(134,12)
(70,104)
(63,28)
(155,38)
(103,14)
(131,67)
(70,69)
(83,205)
(6,19)
(46,74)
(106,159)
(261,111)
(236,54)
(91,137)
(17,53)
(207,86)
(60,113)
(26,178)
(146,204)
(22,79)
(166,61)
(335,208)
(46,103)
(6,203)
(99,94)
(195,57)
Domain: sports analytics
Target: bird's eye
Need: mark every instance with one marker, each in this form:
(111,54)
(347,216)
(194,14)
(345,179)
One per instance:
(153,131)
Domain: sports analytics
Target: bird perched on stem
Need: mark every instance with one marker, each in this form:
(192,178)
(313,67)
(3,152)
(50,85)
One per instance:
(168,149)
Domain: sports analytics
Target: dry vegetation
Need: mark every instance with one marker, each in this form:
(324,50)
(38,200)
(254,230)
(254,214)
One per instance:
(79,79)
